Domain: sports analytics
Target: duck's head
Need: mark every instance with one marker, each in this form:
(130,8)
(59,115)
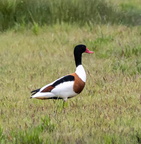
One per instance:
(79,49)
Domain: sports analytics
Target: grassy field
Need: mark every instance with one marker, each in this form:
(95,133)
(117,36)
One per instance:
(108,111)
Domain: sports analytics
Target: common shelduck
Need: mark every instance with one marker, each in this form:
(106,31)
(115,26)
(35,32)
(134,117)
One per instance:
(67,86)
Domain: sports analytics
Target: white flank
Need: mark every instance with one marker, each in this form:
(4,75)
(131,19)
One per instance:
(64,90)
(43,95)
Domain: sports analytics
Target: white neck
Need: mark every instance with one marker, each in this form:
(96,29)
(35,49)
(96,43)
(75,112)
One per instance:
(81,72)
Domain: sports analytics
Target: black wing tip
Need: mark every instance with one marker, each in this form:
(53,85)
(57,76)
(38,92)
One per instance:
(35,91)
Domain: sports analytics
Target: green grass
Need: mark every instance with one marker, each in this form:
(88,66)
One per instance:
(34,53)
(27,13)
(34,13)
(107,111)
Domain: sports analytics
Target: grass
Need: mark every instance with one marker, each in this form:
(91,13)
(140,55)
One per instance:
(27,13)
(108,110)
(34,13)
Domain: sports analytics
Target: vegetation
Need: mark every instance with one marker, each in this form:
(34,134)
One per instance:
(25,13)
(34,52)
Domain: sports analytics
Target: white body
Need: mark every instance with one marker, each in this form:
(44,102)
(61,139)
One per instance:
(62,90)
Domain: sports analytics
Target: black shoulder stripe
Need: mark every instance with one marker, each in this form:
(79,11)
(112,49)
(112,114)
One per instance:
(63,79)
